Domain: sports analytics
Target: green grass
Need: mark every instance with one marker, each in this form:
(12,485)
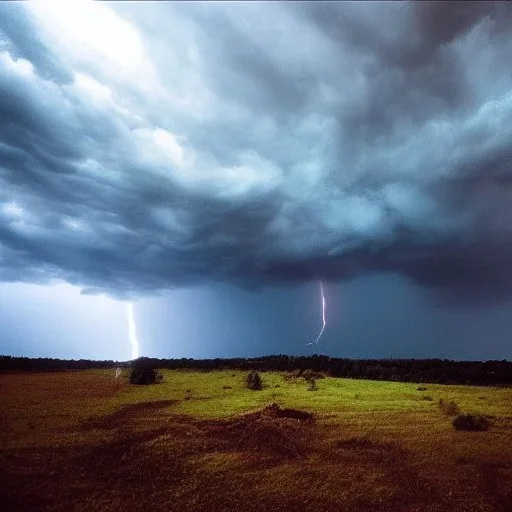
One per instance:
(334,396)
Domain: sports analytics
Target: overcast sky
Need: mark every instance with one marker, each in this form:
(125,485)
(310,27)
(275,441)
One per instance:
(214,162)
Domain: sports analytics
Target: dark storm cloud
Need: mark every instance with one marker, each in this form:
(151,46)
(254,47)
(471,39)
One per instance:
(256,143)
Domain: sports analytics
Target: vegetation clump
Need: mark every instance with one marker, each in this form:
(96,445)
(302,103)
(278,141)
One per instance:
(307,374)
(312,386)
(472,422)
(143,373)
(272,431)
(312,374)
(253,381)
(449,408)
(275,411)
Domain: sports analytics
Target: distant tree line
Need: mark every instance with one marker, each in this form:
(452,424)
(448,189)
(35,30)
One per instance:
(442,371)
(10,363)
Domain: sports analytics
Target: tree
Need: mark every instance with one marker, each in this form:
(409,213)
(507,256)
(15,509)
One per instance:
(144,373)
(253,381)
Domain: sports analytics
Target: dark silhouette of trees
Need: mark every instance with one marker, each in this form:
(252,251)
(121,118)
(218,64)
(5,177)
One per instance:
(442,371)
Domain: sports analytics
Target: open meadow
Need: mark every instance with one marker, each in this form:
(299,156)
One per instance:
(202,441)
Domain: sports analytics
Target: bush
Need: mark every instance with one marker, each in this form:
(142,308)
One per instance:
(291,376)
(311,374)
(145,376)
(143,373)
(449,408)
(312,384)
(304,374)
(253,381)
(472,422)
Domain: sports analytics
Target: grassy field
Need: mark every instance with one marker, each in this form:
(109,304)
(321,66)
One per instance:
(84,441)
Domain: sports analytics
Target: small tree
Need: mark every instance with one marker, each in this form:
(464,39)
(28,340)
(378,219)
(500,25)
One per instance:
(312,386)
(310,377)
(143,373)
(253,381)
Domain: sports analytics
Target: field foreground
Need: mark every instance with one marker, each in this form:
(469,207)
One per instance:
(85,441)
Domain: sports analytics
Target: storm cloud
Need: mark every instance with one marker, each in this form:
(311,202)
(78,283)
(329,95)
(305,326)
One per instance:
(157,145)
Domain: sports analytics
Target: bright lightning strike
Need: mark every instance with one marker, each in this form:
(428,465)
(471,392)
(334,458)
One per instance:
(323,316)
(132,332)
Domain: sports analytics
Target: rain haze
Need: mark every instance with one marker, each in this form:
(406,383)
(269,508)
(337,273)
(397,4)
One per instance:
(193,172)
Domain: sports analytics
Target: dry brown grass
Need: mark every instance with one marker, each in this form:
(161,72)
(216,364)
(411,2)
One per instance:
(80,441)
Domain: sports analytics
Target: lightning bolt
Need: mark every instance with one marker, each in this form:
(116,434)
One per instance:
(323,316)
(132,332)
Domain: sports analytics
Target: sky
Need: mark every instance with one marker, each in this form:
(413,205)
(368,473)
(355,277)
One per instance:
(212,163)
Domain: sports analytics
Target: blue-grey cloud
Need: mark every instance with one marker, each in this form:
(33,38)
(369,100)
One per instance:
(148,146)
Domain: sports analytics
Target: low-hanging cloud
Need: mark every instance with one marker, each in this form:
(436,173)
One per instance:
(151,146)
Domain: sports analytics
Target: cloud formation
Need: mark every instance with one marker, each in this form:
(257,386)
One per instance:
(148,146)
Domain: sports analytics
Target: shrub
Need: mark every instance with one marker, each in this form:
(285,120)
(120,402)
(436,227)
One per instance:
(311,374)
(312,384)
(143,373)
(302,374)
(253,381)
(292,375)
(145,376)
(449,408)
(472,422)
